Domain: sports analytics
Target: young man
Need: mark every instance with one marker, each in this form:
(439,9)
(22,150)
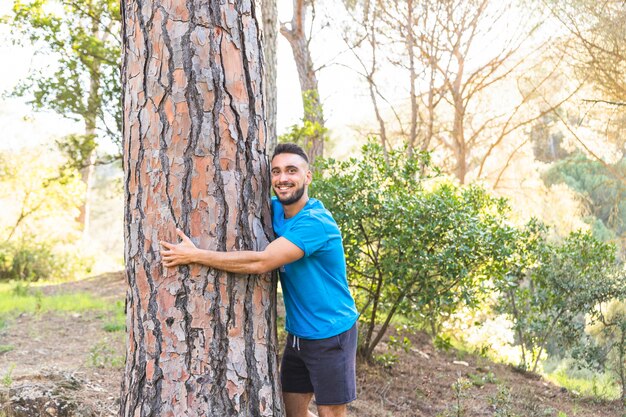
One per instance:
(319,356)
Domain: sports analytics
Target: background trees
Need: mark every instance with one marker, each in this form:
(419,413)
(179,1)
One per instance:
(523,98)
(83,84)
(548,288)
(426,250)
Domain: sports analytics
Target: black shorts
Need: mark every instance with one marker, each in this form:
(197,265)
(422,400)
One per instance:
(325,367)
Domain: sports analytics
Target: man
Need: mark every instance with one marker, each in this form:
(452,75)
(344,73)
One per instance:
(319,356)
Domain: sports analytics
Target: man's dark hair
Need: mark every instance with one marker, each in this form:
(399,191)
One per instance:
(290,148)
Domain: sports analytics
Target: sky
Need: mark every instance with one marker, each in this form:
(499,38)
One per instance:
(339,90)
(20,126)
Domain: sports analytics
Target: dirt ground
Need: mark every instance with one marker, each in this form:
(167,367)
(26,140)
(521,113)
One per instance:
(72,358)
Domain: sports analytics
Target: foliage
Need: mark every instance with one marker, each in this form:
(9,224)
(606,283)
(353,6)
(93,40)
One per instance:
(603,195)
(103,355)
(39,210)
(311,128)
(7,378)
(31,260)
(386,360)
(479,380)
(502,402)
(547,288)
(117,323)
(584,382)
(419,252)
(460,388)
(6,348)
(83,38)
(27,261)
(36,198)
(607,327)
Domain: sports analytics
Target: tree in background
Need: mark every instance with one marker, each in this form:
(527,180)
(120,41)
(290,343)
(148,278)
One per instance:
(599,51)
(39,206)
(312,135)
(421,251)
(82,36)
(547,288)
(269,13)
(201,342)
(603,197)
(607,328)
(443,95)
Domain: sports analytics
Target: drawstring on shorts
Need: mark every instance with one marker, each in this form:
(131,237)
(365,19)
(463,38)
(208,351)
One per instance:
(296,342)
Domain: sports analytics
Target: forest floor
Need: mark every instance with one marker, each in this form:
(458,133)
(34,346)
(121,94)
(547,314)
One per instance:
(71,364)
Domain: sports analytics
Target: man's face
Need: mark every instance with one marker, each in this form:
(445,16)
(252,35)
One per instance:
(290,177)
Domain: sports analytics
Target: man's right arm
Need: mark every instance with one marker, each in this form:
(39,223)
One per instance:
(278,253)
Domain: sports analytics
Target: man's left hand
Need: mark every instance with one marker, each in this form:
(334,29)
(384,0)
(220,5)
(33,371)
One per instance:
(178,254)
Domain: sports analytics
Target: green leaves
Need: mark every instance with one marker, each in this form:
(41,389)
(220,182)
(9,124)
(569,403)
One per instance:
(83,37)
(415,244)
(548,288)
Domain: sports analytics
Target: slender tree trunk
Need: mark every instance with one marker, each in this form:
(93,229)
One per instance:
(270,33)
(410,45)
(458,128)
(200,342)
(311,102)
(93,106)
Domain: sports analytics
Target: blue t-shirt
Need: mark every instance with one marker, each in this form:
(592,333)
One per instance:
(315,288)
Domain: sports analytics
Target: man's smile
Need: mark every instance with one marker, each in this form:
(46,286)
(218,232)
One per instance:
(284,187)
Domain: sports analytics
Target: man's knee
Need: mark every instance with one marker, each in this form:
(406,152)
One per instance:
(332,410)
(296,404)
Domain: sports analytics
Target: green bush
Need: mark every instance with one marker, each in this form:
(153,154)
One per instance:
(417,248)
(30,260)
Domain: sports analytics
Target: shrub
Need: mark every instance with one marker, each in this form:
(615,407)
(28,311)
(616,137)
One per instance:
(30,260)
(421,252)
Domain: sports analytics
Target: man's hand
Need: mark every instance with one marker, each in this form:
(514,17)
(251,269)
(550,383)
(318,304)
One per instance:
(178,254)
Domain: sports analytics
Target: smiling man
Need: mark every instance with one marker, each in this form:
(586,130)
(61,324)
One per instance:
(320,354)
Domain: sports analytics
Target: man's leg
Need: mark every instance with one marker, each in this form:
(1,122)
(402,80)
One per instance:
(332,410)
(297,405)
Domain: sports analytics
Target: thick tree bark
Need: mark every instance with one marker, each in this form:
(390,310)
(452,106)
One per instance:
(270,33)
(200,342)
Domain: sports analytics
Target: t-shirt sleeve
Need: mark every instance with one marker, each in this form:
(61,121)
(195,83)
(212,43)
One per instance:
(308,234)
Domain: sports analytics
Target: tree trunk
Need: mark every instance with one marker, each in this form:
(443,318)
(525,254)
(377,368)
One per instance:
(410,44)
(93,107)
(313,112)
(270,33)
(458,128)
(200,342)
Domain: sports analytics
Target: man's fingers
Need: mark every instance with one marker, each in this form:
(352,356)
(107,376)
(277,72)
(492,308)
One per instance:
(182,236)
(166,244)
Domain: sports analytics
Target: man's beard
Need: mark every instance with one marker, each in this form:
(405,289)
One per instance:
(297,195)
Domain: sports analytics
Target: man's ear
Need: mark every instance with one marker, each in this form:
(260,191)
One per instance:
(309,177)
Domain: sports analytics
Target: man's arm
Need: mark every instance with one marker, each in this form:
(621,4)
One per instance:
(278,253)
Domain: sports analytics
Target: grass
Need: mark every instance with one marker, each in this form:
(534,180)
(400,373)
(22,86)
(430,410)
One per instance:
(600,386)
(18,298)
(7,378)
(103,355)
(6,348)
(116,323)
